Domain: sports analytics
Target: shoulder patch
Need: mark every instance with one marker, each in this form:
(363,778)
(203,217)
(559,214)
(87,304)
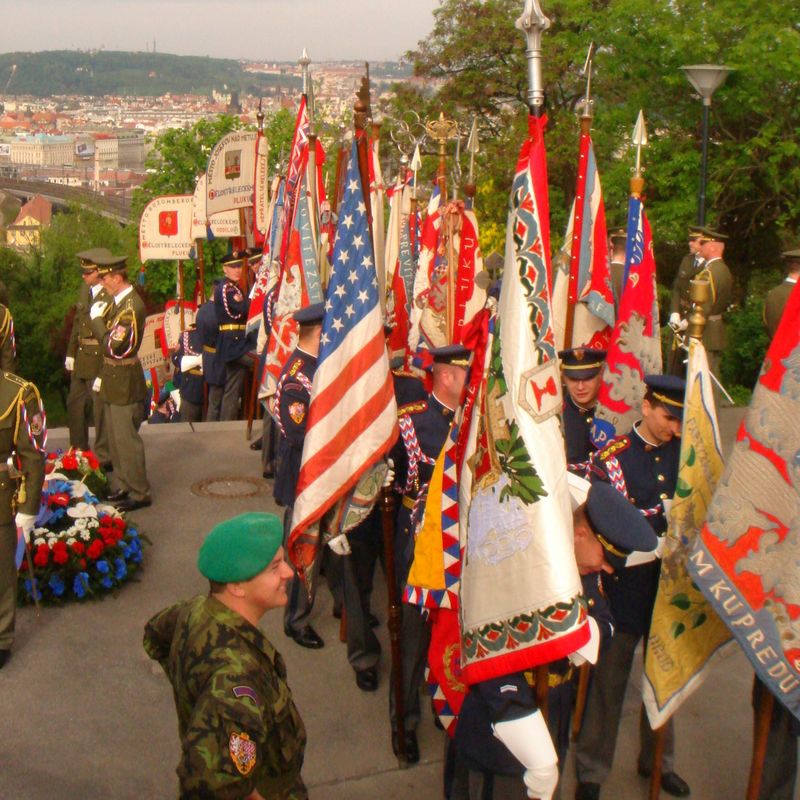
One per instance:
(615,446)
(243,752)
(296,366)
(245,691)
(415,407)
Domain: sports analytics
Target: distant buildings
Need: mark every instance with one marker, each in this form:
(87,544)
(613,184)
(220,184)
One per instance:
(25,233)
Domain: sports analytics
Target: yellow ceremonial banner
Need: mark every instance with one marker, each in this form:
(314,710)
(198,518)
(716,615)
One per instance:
(686,634)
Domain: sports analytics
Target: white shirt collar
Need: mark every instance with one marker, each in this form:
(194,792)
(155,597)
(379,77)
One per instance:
(122,295)
(96,289)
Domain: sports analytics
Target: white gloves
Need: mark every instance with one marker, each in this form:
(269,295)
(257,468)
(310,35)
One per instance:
(69,363)
(98,309)
(677,323)
(98,382)
(590,650)
(190,362)
(340,545)
(389,479)
(528,740)
(25,523)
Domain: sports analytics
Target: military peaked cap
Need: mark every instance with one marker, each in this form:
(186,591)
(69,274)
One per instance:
(451,354)
(89,259)
(310,315)
(668,390)
(581,363)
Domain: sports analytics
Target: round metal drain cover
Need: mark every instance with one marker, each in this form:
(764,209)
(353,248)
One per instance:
(230,487)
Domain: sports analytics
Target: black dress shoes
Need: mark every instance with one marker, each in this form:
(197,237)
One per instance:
(257,444)
(268,474)
(307,637)
(129,504)
(4,656)
(671,782)
(120,494)
(367,679)
(412,746)
(587,791)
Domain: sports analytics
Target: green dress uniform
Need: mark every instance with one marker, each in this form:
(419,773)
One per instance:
(23,435)
(8,347)
(123,389)
(774,304)
(714,338)
(84,348)
(680,302)
(239,728)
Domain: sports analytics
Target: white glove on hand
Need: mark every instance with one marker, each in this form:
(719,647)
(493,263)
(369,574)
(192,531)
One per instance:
(528,740)
(190,362)
(674,319)
(590,650)
(340,545)
(389,479)
(69,363)
(25,523)
(98,382)
(98,309)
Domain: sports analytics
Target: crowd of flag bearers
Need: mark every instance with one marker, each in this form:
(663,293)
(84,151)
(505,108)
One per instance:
(512,456)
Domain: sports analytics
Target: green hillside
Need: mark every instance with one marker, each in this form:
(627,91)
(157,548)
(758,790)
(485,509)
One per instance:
(57,72)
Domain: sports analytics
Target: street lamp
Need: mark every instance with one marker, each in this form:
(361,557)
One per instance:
(706,79)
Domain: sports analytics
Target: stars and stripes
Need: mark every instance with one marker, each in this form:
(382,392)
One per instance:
(352,418)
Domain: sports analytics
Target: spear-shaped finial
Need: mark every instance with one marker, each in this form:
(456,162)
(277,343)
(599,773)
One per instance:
(304,61)
(533,23)
(416,163)
(639,141)
(586,104)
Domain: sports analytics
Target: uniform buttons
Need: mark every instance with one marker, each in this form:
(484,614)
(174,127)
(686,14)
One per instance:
(661,478)
(591,602)
(663,495)
(658,458)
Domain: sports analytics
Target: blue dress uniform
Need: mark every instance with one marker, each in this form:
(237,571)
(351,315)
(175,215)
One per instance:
(232,306)
(213,366)
(580,364)
(646,475)
(189,382)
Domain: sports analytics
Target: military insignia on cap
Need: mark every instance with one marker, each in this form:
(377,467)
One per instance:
(243,752)
(37,424)
(297,411)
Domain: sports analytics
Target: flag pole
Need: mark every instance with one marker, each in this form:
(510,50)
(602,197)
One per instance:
(761,726)
(180,294)
(587,105)
(201,270)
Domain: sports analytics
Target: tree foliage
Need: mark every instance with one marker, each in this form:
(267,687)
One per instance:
(754,171)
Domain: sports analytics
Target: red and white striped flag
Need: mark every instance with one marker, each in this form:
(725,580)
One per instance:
(352,417)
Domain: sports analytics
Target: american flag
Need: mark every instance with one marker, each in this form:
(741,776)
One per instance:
(352,417)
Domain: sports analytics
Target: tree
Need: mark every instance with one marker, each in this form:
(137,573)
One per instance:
(754,185)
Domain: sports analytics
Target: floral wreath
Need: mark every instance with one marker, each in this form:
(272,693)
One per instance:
(81,547)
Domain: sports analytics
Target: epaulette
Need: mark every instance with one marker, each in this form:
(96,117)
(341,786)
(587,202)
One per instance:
(295,368)
(414,407)
(403,372)
(613,447)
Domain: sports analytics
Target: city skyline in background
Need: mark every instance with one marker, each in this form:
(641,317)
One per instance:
(271,30)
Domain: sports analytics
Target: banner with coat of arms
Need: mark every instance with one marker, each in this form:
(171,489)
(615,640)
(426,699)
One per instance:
(165,229)
(231,172)
(223,225)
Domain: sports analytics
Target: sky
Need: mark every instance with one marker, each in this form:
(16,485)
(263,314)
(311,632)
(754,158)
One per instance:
(376,30)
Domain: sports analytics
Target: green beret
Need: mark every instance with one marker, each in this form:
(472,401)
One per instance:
(239,548)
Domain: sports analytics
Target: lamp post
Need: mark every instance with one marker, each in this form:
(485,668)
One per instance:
(706,79)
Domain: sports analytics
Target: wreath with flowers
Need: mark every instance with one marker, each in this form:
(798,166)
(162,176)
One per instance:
(81,547)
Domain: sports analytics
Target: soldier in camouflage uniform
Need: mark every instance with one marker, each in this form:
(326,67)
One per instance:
(23,435)
(84,360)
(118,327)
(241,734)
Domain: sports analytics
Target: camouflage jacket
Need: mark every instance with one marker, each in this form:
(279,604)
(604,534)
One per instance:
(238,724)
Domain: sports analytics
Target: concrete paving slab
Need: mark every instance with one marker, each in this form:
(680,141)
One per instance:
(85,714)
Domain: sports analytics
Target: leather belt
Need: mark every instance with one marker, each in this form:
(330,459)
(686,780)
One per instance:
(232,327)
(209,349)
(120,362)
(88,341)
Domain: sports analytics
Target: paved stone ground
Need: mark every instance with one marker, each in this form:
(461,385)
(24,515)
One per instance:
(85,714)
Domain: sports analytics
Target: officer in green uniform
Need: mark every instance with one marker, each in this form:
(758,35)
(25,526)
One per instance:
(84,360)
(241,734)
(23,437)
(715,270)
(776,298)
(118,327)
(680,303)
